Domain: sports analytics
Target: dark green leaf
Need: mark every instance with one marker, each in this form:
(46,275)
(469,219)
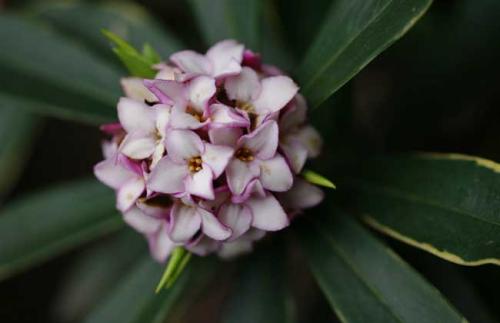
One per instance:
(17,130)
(125,19)
(260,294)
(45,70)
(134,299)
(96,272)
(354,32)
(363,280)
(223,19)
(446,204)
(43,225)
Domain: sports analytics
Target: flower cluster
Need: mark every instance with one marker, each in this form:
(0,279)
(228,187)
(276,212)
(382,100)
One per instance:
(207,155)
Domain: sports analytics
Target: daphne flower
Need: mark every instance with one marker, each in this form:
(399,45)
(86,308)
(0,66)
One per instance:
(298,141)
(221,60)
(256,157)
(190,165)
(259,98)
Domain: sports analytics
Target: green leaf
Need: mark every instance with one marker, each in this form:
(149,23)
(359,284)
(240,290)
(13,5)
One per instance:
(176,264)
(17,131)
(363,280)
(224,19)
(134,299)
(138,64)
(44,70)
(95,273)
(45,224)
(129,21)
(317,179)
(354,33)
(260,293)
(446,204)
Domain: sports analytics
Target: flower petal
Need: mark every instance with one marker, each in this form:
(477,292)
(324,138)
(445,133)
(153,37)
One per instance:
(136,116)
(203,246)
(168,177)
(141,222)
(200,183)
(183,144)
(276,92)
(267,213)
(138,146)
(163,113)
(232,249)
(113,173)
(212,227)
(180,119)
(263,141)
(185,222)
(200,90)
(192,62)
(223,116)
(295,153)
(225,136)
(244,87)
(134,88)
(238,217)
(160,244)
(302,195)
(275,174)
(129,193)
(295,115)
(254,188)
(239,174)
(311,139)
(168,92)
(217,157)
(226,57)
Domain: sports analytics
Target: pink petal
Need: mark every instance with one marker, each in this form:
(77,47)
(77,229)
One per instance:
(295,152)
(238,217)
(254,188)
(244,87)
(263,141)
(200,183)
(134,88)
(302,195)
(113,173)
(166,72)
(222,194)
(129,193)
(180,119)
(138,146)
(192,62)
(182,145)
(276,92)
(212,227)
(311,139)
(294,116)
(252,60)
(185,222)
(225,136)
(226,57)
(109,148)
(168,92)
(113,129)
(275,174)
(267,213)
(217,157)
(239,174)
(200,91)
(223,116)
(167,177)
(136,116)
(160,244)
(203,246)
(141,222)
(163,113)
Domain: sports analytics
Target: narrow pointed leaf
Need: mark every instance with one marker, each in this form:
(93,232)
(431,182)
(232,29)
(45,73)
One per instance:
(47,70)
(317,179)
(17,131)
(446,204)
(134,299)
(354,33)
(125,19)
(224,19)
(45,224)
(363,280)
(260,294)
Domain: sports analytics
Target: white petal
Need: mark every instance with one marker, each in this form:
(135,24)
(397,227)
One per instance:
(183,144)
(136,116)
(232,249)
(294,116)
(226,57)
(212,227)
(223,116)
(200,183)
(311,139)
(244,87)
(301,196)
(238,217)
(200,90)
(275,174)
(134,89)
(263,141)
(295,152)
(141,222)
(185,222)
(267,213)
(167,177)
(192,62)
(138,146)
(160,244)
(112,173)
(129,193)
(276,92)
(225,136)
(180,119)
(239,174)
(217,157)
(203,246)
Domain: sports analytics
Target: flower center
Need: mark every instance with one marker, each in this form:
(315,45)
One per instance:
(245,106)
(244,154)
(195,164)
(197,115)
